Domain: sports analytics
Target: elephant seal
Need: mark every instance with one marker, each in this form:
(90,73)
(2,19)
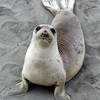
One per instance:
(56,52)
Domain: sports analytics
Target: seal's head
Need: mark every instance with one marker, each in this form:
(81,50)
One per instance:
(45,35)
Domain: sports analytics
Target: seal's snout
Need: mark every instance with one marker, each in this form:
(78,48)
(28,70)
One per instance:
(45,35)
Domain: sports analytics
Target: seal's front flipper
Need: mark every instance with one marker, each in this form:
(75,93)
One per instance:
(55,6)
(20,88)
(60,93)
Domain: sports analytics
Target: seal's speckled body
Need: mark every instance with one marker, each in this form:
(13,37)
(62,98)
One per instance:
(70,41)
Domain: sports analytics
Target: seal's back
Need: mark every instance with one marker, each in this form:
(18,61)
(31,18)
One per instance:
(69,35)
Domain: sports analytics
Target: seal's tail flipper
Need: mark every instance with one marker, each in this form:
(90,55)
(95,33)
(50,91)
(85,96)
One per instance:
(56,6)
(51,5)
(67,4)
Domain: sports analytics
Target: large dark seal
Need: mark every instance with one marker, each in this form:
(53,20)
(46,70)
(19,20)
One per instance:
(56,51)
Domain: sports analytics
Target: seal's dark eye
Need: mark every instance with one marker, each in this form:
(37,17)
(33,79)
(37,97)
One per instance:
(53,30)
(38,28)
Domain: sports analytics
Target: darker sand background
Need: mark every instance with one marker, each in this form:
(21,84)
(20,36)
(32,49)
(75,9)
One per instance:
(17,20)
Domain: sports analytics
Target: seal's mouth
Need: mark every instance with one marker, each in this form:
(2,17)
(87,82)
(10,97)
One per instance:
(45,37)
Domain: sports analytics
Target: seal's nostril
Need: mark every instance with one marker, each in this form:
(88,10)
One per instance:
(45,31)
(42,34)
(46,35)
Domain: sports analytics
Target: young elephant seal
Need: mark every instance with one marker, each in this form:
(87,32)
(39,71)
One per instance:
(56,51)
